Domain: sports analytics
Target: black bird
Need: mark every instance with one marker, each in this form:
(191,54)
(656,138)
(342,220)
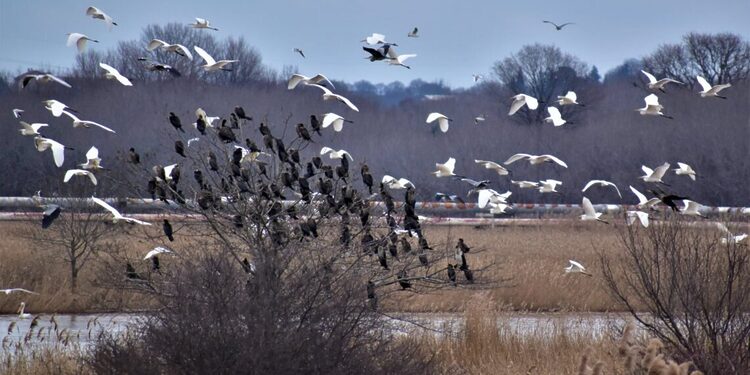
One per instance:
(268,141)
(179,148)
(325,187)
(668,199)
(174,174)
(159,172)
(452,274)
(327,171)
(294,156)
(151,187)
(237,220)
(315,124)
(366,177)
(168,230)
(240,112)
(130,272)
(226,134)
(402,280)
(423,243)
(393,250)
(213,164)
(133,156)
(382,259)
(264,130)
(423,259)
(370,289)
(462,246)
(251,145)
(201,125)
(469,275)
(303,133)
(51,212)
(313,226)
(379,53)
(233,121)
(364,218)
(558,27)
(155,66)
(405,245)
(155,263)
(175,121)
(198,175)
(310,171)
(317,162)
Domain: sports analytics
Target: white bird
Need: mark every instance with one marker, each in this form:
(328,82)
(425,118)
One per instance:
(79,172)
(96,13)
(399,60)
(520,100)
(93,162)
(502,171)
(42,78)
(709,90)
(639,215)
(601,183)
(413,33)
(445,169)
(570,98)
(212,65)
(55,107)
(536,159)
(692,208)
(480,118)
(201,23)
(730,238)
(329,95)
(525,184)
(548,186)
(653,84)
(393,183)
(17,112)
(374,39)
(654,175)
(191,140)
(156,251)
(685,169)
(78,123)
(487,196)
(335,120)
(116,215)
(175,48)
(477,77)
(652,108)
(643,202)
(13,290)
(335,154)
(31,129)
(555,117)
(58,149)
(442,120)
(79,40)
(576,267)
(498,208)
(589,213)
(112,73)
(21,313)
(296,79)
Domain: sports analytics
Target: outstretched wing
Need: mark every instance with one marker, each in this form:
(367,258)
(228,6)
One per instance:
(106,206)
(204,55)
(704,84)
(588,208)
(516,157)
(434,116)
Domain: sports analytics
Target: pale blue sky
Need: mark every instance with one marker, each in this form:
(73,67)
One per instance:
(457,38)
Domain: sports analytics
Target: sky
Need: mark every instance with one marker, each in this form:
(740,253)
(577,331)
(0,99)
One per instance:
(456,38)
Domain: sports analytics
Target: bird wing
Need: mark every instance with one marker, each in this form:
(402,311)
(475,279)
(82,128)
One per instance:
(191,140)
(294,80)
(326,91)
(387,179)
(643,218)
(404,182)
(516,157)
(157,250)
(321,78)
(328,119)
(346,153)
(402,58)
(156,43)
(661,170)
(518,102)
(58,152)
(684,166)
(591,183)
(577,265)
(326,150)
(554,113)
(554,159)
(58,80)
(433,116)
(588,208)
(531,102)
(92,11)
(204,55)
(571,95)
(106,206)
(81,44)
(704,84)
(450,164)
(651,78)
(483,197)
(92,153)
(70,173)
(185,51)
(200,20)
(648,171)
(652,99)
(641,198)
(73,38)
(99,125)
(346,101)
(444,124)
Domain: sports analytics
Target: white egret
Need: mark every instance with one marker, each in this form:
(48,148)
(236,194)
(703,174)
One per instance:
(520,100)
(709,90)
(730,238)
(491,165)
(445,169)
(55,107)
(21,311)
(296,79)
(443,120)
(97,14)
(116,215)
(601,183)
(201,23)
(156,251)
(78,123)
(548,186)
(555,117)
(487,196)
(685,169)
(212,65)
(652,108)
(58,149)
(399,60)
(13,290)
(17,112)
(335,154)
(576,267)
(589,213)
(175,48)
(31,129)
(79,40)
(643,202)
(570,98)
(480,118)
(335,120)
(653,84)
(477,77)
(42,78)
(525,184)
(536,159)
(654,175)
(692,208)
(393,183)
(641,216)
(79,172)
(93,162)
(329,95)
(112,73)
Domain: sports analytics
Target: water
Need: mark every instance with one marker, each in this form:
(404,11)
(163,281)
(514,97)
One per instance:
(81,329)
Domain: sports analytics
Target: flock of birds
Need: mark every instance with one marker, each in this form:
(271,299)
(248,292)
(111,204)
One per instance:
(165,180)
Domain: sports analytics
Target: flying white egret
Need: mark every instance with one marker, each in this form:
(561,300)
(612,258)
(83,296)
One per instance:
(653,84)
(685,169)
(335,120)
(335,154)
(17,112)
(445,169)
(487,196)
(399,60)
(329,95)
(58,149)
(525,184)
(576,267)
(175,48)
(78,123)
(652,108)
(443,120)
(536,159)
(654,175)
(643,202)
(79,172)
(21,313)
(116,215)
(480,118)
(393,183)
(730,238)
(570,98)
(156,251)
(477,77)
(97,14)
(201,23)
(374,39)
(13,290)
(709,90)
(601,183)
(93,162)
(79,40)
(42,78)
(55,107)
(555,117)
(112,73)
(212,65)
(31,129)
(548,186)
(692,208)
(520,100)
(502,171)
(192,140)
(589,213)
(296,79)
(641,216)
